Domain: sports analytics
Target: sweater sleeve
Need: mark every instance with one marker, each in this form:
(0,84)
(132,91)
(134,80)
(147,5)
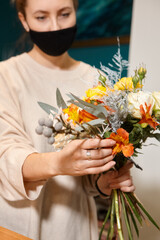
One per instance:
(89,186)
(15,146)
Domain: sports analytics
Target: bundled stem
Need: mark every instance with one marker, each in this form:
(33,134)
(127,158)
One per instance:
(119,228)
(131,209)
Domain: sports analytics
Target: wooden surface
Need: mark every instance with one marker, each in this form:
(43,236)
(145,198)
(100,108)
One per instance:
(6,234)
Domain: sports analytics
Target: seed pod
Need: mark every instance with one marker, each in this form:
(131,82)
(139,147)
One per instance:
(48,122)
(51,140)
(39,130)
(58,126)
(47,132)
(41,121)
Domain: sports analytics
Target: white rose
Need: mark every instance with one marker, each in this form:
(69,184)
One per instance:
(136,99)
(156,96)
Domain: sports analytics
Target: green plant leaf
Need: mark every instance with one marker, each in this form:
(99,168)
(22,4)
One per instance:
(126,217)
(145,211)
(60,101)
(99,108)
(94,111)
(134,222)
(47,108)
(131,204)
(156,135)
(107,134)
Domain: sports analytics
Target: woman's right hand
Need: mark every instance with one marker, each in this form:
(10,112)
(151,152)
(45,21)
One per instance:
(82,157)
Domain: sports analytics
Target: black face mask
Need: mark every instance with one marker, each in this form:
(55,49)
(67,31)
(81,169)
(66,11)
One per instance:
(54,43)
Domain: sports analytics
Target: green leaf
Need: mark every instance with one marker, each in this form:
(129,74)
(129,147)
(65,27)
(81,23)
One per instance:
(145,211)
(47,108)
(93,111)
(156,135)
(126,217)
(99,108)
(131,204)
(134,222)
(107,134)
(60,101)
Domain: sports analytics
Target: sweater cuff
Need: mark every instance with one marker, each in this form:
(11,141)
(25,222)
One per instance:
(13,187)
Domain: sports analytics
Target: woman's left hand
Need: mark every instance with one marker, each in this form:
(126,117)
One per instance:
(116,180)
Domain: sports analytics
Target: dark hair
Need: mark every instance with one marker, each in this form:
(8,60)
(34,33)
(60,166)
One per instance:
(21,4)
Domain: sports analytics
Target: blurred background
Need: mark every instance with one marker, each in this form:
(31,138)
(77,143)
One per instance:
(99,24)
(136,23)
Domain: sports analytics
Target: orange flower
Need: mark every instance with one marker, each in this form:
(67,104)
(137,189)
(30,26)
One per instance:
(86,116)
(146,116)
(76,115)
(122,143)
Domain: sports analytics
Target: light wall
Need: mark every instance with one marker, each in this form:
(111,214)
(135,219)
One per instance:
(145,48)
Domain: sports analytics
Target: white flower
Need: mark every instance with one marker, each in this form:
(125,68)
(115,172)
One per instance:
(136,99)
(156,96)
(61,140)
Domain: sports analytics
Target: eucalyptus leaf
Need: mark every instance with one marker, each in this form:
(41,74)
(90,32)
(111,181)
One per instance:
(96,122)
(93,111)
(60,101)
(99,107)
(48,108)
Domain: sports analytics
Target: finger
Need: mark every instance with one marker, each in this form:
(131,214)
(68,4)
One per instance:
(126,183)
(98,163)
(97,170)
(128,189)
(122,178)
(95,143)
(98,153)
(125,168)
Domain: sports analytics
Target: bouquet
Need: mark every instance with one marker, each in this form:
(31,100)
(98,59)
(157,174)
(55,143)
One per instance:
(117,108)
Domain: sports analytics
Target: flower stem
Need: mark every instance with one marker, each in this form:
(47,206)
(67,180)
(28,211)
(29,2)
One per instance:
(104,223)
(112,217)
(117,215)
(126,217)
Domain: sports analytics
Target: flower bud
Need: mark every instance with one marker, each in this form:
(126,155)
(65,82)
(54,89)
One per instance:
(102,80)
(144,125)
(157,114)
(135,80)
(142,72)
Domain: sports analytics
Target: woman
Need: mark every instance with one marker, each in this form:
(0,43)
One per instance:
(45,194)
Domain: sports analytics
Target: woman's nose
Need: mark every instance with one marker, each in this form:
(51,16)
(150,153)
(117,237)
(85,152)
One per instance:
(54,25)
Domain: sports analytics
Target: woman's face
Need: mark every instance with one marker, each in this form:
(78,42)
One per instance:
(48,15)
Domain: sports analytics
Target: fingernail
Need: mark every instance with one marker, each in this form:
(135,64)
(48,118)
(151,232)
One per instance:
(112,142)
(113,164)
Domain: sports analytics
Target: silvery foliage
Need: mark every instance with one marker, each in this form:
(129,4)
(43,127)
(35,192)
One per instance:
(117,101)
(114,71)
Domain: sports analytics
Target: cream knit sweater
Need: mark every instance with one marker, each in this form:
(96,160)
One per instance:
(62,208)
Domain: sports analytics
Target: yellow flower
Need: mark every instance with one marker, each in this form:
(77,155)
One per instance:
(73,113)
(126,84)
(98,91)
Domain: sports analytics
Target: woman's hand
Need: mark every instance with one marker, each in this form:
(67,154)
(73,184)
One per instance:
(89,156)
(116,180)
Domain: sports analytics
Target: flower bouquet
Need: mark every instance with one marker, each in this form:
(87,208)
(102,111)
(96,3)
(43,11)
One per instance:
(115,108)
